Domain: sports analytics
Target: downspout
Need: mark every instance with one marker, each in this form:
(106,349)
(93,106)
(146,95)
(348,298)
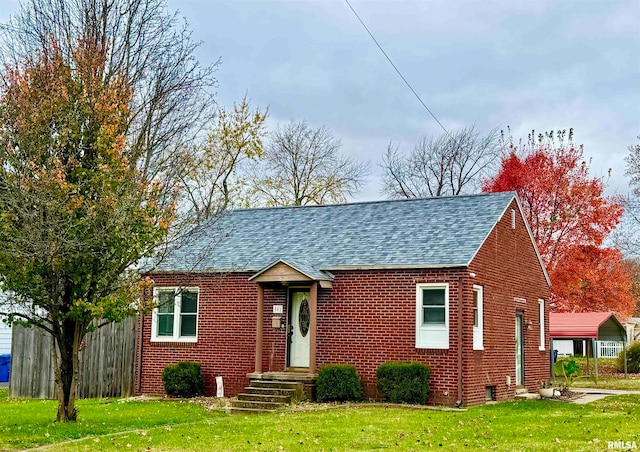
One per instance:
(460,348)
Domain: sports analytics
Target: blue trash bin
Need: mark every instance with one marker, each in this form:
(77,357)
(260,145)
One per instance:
(5,365)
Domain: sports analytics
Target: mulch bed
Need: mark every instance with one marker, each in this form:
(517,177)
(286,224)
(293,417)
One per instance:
(567,396)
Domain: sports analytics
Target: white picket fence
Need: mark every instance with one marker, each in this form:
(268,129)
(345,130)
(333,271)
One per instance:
(609,349)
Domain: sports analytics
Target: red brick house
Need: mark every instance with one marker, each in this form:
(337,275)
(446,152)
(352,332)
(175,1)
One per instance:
(454,282)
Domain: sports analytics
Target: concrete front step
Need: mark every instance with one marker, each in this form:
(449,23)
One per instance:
(269,391)
(265,398)
(297,388)
(274,384)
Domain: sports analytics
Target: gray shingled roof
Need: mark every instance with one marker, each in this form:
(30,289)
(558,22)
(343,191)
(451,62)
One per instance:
(418,232)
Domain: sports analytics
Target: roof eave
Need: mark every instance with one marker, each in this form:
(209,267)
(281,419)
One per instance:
(326,269)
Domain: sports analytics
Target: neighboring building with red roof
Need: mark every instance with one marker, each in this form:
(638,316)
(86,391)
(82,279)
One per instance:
(580,333)
(601,326)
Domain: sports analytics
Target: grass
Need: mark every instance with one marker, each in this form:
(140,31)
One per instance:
(26,423)
(163,425)
(631,384)
(609,376)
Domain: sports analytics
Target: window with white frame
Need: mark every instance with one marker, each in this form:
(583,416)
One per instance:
(175,317)
(478,328)
(432,315)
(541,316)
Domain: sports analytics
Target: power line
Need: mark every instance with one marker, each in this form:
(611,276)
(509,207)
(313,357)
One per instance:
(396,68)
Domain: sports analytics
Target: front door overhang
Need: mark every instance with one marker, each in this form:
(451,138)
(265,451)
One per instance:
(287,273)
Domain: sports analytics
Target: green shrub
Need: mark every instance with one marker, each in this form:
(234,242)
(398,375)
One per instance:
(183,379)
(403,382)
(338,382)
(633,359)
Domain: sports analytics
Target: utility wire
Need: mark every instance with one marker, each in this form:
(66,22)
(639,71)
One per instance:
(396,68)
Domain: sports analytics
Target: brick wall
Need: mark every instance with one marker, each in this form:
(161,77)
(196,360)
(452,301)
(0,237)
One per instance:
(226,334)
(508,269)
(367,318)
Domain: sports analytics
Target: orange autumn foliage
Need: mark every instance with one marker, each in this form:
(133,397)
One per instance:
(590,278)
(570,218)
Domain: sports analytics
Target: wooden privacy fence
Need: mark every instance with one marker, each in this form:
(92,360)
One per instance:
(107,362)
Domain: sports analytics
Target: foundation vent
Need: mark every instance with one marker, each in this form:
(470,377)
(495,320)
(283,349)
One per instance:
(490,393)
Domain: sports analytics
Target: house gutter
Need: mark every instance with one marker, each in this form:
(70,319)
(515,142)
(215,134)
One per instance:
(460,334)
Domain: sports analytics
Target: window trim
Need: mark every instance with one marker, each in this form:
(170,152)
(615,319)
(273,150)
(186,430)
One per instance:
(541,346)
(432,336)
(177,315)
(478,331)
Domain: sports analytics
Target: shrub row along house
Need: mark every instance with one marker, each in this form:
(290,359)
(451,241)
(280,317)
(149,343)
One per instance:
(453,282)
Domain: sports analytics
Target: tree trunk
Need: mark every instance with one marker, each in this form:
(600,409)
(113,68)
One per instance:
(67,370)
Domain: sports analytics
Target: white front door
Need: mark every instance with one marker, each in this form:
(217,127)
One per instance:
(299,329)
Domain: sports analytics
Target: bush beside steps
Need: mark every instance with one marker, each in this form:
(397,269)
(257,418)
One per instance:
(338,382)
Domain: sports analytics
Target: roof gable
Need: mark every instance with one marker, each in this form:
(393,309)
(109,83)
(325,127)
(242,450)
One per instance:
(290,271)
(415,233)
(531,238)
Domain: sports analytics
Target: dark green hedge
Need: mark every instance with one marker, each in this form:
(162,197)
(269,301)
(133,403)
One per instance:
(633,359)
(183,379)
(403,382)
(338,382)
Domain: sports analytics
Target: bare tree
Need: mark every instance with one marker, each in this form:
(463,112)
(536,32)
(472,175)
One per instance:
(303,165)
(633,167)
(442,166)
(627,234)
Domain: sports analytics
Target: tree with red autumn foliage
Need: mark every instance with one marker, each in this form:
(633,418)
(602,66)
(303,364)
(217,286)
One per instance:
(591,278)
(570,217)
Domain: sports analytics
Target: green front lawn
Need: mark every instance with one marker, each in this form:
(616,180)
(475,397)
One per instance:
(161,425)
(631,384)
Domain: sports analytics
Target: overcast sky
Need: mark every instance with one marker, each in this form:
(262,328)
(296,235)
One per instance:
(525,64)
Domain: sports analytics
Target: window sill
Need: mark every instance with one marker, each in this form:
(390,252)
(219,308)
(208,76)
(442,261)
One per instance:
(478,349)
(188,340)
(542,349)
